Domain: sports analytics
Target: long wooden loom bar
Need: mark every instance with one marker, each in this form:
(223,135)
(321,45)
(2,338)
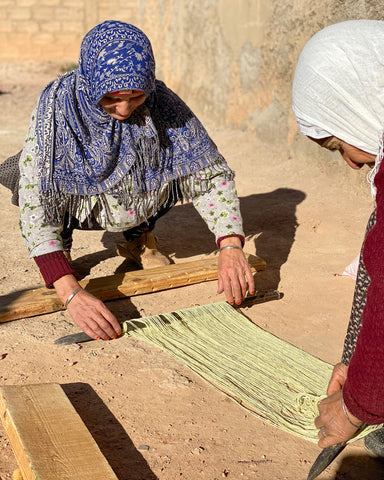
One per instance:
(48,437)
(40,301)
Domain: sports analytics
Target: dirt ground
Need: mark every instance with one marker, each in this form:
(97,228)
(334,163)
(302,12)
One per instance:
(152,417)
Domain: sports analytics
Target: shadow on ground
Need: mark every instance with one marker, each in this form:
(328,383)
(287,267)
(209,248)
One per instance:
(113,441)
(268,218)
(359,467)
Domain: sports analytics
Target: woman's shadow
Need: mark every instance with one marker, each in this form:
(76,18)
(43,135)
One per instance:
(269,219)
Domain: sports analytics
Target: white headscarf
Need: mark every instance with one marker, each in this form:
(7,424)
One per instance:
(338,87)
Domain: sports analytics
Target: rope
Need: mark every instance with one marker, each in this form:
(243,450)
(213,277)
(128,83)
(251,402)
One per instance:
(272,379)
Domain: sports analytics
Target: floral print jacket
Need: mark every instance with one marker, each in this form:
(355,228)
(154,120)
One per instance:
(219,207)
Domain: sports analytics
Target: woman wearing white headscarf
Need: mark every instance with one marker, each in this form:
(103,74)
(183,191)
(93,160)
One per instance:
(338,101)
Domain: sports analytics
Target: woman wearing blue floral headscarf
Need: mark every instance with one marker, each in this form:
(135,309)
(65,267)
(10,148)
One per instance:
(111,147)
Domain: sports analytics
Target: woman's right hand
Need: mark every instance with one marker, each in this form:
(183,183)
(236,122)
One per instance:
(332,421)
(338,378)
(87,311)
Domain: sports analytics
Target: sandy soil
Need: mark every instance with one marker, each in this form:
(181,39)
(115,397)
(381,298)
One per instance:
(304,223)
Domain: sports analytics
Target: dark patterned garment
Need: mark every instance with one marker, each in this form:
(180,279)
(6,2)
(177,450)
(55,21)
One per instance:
(359,300)
(363,390)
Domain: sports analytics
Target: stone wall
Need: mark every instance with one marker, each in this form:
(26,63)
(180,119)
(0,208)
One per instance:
(231,60)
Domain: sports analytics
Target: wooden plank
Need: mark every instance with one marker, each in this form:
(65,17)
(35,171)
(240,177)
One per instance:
(48,437)
(41,300)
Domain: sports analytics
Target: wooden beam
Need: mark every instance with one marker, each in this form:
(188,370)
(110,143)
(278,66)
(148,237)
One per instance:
(41,300)
(48,437)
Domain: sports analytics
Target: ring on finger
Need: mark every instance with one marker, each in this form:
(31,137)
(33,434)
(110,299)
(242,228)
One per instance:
(322,431)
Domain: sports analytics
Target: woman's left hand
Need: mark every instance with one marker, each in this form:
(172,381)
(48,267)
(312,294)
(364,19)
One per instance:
(332,423)
(235,275)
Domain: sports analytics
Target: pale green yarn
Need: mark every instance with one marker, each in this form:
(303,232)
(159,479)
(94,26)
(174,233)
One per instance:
(269,377)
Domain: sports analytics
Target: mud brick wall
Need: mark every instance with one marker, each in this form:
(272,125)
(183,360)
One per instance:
(53,29)
(232,60)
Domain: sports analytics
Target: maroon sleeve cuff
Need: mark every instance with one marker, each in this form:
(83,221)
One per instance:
(242,239)
(357,410)
(53,266)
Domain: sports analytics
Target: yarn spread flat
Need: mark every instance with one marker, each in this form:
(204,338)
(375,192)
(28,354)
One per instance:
(272,379)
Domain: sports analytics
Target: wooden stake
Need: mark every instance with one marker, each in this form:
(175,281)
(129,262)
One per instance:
(48,437)
(42,300)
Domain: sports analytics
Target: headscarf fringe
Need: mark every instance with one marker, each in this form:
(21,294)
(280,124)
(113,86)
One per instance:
(142,204)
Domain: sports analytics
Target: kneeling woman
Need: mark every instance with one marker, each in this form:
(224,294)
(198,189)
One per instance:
(111,147)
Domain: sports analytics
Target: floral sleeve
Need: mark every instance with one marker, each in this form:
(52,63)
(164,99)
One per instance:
(220,208)
(39,237)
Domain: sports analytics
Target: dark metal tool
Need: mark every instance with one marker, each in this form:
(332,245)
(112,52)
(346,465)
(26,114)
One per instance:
(324,459)
(82,337)
(74,338)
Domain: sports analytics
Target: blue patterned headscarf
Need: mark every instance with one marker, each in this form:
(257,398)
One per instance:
(83,151)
